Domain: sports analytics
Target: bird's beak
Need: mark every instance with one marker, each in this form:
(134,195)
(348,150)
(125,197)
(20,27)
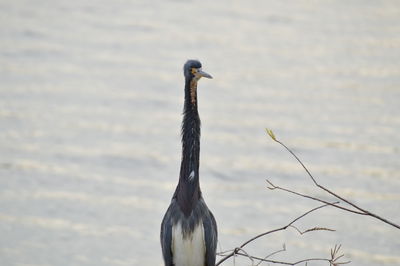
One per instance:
(204,74)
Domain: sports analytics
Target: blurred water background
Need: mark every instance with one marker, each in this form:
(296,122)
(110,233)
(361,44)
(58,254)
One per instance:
(90,110)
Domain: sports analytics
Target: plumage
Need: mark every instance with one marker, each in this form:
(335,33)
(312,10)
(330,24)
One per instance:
(189,230)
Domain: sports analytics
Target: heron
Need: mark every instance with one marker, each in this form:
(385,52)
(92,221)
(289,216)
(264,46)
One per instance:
(188,229)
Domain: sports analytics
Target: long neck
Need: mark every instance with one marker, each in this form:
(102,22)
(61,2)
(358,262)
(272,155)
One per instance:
(188,190)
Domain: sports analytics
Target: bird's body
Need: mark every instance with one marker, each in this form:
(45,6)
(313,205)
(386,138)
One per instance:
(189,230)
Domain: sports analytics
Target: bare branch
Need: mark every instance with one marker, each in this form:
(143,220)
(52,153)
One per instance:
(333,261)
(312,229)
(285,262)
(236,250)
(273,187)
(335,256)
(273,253)
(360,211)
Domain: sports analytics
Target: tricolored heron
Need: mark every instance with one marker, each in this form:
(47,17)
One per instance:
(189,230)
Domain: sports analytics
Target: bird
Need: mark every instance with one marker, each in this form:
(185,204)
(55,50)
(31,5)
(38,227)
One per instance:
(189,230)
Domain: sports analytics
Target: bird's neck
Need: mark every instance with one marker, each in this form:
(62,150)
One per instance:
(188,186)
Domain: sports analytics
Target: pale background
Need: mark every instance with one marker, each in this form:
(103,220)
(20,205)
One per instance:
(90,109)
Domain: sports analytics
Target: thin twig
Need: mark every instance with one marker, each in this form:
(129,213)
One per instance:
(272,254)
(362,211)
(312,229)
(236,250)
(273,187)
(285,262)
(333,261)
(335,256)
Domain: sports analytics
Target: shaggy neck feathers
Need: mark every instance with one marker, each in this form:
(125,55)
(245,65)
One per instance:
(188,185)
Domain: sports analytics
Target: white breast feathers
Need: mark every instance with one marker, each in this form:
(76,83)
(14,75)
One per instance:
(188,250)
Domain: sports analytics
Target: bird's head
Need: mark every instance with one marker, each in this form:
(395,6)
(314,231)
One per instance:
(192,70)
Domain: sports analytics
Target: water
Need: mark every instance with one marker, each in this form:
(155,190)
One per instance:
(90,109)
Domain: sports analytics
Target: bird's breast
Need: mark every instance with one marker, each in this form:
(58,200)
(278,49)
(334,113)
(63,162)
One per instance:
(188,249)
